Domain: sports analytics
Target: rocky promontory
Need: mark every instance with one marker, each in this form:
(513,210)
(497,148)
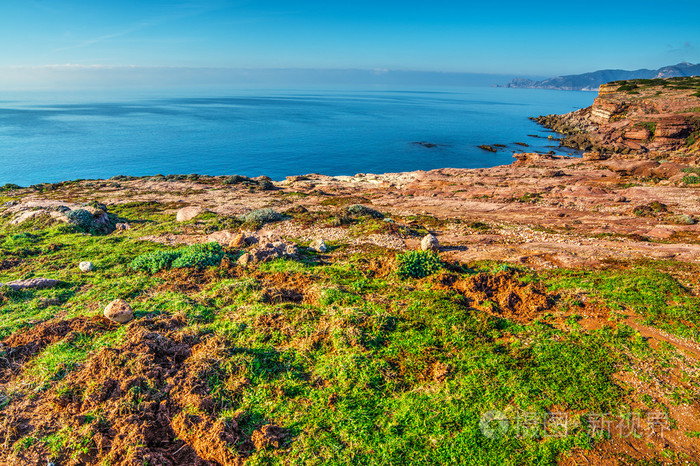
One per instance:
(638,119)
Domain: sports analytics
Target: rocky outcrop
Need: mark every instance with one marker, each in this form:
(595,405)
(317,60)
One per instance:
(188,213)
(89,217)
(640,118)
(32,283)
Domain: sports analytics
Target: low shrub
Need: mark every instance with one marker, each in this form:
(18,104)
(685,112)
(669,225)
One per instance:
(81,218)
(360,210)
(10,187)
(418,264)
(198,256)
(262,216)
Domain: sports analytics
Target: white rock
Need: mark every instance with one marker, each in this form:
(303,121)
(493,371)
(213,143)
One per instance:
(118,311)
(429,243)
(318,245)
(85,266)
(188,213)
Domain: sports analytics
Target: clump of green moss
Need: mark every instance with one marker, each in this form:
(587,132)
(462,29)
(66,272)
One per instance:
(197,256)
(418,264)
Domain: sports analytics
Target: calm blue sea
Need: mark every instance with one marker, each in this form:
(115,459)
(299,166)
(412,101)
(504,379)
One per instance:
(48,137)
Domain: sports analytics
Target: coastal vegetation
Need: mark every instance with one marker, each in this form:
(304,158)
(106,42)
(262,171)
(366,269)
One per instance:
(364,357)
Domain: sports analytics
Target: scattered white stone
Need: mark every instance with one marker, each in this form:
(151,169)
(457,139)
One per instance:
(119,311)
(188,213)
(318,245)
(85,266)
(429,243)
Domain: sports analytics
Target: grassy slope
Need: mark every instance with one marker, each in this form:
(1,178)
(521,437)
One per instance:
(371,368)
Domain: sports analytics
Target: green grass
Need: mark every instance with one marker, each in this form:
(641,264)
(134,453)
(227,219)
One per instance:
(643,290)
(371,368)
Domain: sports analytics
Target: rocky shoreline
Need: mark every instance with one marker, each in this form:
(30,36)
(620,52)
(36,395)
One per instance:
(639,119)
(542,210)
(315,268)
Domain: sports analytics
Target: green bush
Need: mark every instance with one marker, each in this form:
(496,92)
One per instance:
(81,218)
(10,187)
(691,179)
(359,209)
(262,216)
(418,264)
(197,256)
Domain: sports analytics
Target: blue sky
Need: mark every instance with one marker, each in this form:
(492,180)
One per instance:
(506,37)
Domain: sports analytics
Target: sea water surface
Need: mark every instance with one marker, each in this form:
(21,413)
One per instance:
(51,137)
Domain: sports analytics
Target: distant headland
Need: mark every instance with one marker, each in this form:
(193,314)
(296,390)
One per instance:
(591,81)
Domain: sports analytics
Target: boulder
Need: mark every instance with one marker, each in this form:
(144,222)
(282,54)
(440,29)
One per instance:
(244,260)
(119,311)
(188,213)
(318,245)
(429,243)
(238,242)
(85,266)
(123,226)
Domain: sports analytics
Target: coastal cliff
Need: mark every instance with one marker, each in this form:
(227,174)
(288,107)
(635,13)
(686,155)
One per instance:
(638,118)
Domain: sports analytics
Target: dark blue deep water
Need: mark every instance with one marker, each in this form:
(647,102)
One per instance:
(53,137)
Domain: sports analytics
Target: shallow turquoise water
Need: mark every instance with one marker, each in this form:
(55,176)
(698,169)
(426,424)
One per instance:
(48,137)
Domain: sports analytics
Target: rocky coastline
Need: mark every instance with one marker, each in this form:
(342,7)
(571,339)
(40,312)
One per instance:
(190,319)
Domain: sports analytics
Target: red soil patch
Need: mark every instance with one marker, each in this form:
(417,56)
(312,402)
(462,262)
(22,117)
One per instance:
(146,401)
(192,280)
(25,343)
(286,287)
(510,298)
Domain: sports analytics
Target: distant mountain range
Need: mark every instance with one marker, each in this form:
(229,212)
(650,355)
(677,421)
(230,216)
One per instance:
(591,81)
